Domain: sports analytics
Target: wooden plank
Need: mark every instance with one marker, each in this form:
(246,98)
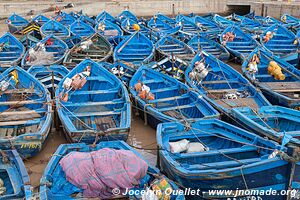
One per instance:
(7,103)
(26,112)
(176,107)
(218,82)
(86,114)
(21,122)
(222,91)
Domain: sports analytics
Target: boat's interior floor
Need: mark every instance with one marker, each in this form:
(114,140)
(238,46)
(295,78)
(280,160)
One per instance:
(97,122)
(13,122)
(240,102)
(217,95)
(290,89)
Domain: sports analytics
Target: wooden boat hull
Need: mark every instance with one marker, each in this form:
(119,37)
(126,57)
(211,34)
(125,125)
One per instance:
(241,46)
(126,14)
(170,46)
(136,49)
(72,41)
(99,50)
(29,41)
(221,80)
(40,19)
(12,51)
(49,76)
(111,31)
(121,70)
(16,23)
(15,177)
(29,124)
(238,170)
(283,44)
(81,29)
(272,122)
(171,66)
(57,47)
(99,111)
(105,16)
(199,43)
(55,28)
(278,92)
(46,190)
(172,99)
(162,28)
(65,19)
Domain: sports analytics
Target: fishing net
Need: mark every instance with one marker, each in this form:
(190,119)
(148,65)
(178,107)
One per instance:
(39,56)
(98,172)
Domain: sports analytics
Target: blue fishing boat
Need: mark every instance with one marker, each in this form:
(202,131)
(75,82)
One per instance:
(238,42)
(170,46)
(249,25)
(188,27)
(50,187)
(130,26)
(281,85)
(126,14)
(124,71)
(265,22)
(199,43)
(290,22)
(275,122)
(29,40)
(26,115)
(16,23)
(221,85)
(250,15)
(96,109)
(49,76)
(72,41)
(55,28)
(282,42)
(105,16)
(223,21)
(81,29)
(172,66)
(162,28)
(15,182)
(95,47)
(209,28)
(109,30)
(219,156)
(166,19)
(65,19)
(50,50)
(40,19)
(161,98)
(88,20)
(11,50)
(136,49)
(76,14)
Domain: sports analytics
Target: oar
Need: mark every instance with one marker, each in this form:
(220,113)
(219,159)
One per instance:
(122,47)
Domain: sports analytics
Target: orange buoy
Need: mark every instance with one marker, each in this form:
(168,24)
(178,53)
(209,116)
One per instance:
(143,94)
(136,27)
(138,86)
(150,96)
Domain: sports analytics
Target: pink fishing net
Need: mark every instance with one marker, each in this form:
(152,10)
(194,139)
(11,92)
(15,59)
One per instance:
(98,172)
